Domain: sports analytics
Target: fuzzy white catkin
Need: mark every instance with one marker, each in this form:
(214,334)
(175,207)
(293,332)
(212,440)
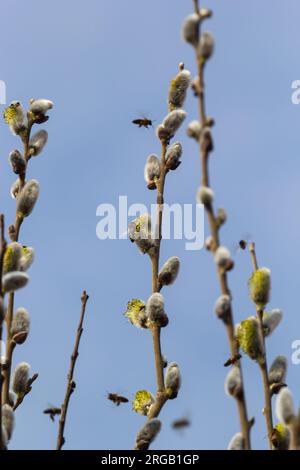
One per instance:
(206,45)
(27,198)
(222,256)
(190,29)
(169,271)
(278,370)
(20,378)
(194,130)
(38,142)
(285,406)
(21,321)
(155,309)
(173,155)
(19,122)
(152,169)
(17,162)
(205,196)
(173,380)
(233,382)
(8,420)
(237,442)
(222,306)
(271,320)
(14,280)
(15,188)
(41,106)
(147,433)
(173,121)
(139,231)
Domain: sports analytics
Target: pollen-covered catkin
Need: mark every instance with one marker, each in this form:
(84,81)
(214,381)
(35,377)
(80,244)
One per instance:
(142,402)
(20,324)
(20,378)
(8,420)
(12,257)
(177,90)
(169,271)
(237,442)
(38,142)
(173,155)
(260,287)
(249,338)
(155,310)
(152,171)
(233,382)
(14,280)
(147,433)
(139,231)
(27,198)
(16,118)
(173,380)
(285,406)
(17,162)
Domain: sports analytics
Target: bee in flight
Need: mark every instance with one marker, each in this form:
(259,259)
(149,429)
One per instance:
(181,423)
(117,399)
(143,122)
(52,411)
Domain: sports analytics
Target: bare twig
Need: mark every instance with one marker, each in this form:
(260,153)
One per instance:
(71,384)
(263,362)
(2,252)
(214,228)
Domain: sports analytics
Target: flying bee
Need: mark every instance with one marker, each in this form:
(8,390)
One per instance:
(143,122)
(181,423)
(52,411)
(117,399)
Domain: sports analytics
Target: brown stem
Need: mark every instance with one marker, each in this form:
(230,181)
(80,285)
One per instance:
(263,362)
(214,229)
(70,383)
(2,253)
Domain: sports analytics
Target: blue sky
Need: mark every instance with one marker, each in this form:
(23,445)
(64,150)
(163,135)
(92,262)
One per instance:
(104,63)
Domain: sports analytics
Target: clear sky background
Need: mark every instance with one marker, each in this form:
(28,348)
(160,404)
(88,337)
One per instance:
(105,63)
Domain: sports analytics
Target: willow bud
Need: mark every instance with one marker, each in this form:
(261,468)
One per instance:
(173,155)
(20,325)
(169,271)
(222,258)
(152,171)
(206,140)
(142,402)
(12,257)
(194,130)
(233,383)
(249,339)
(278,369)
(260,287)
(8,420)
(155,310)
(271,320)
(147,434)
(139,231)
(136,313)
(27,258)
(177,90)
(20,378)
(221,217)
(190,29)
(17,162)
(171,124)
(27,198)
(205,196)
(206,46)
(16,118)
(14,280)
(285,406)
(223,307)
(173,380)
(38,142)
(40,107)
(237,442)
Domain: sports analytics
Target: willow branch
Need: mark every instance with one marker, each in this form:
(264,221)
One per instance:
(214,229)
(70,383)
(263,361)
(3,248)
(27,390)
